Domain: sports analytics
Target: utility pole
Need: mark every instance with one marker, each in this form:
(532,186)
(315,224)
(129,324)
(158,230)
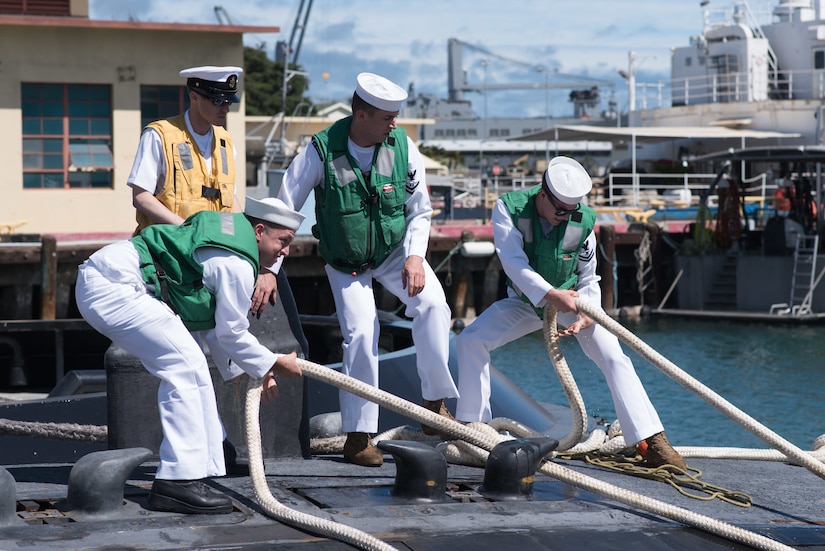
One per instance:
(288,53)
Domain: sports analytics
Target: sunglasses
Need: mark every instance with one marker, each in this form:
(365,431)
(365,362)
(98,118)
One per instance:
(559,210)
(217,102)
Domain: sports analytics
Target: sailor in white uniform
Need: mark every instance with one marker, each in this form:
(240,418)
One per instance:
(547,234)
(218,252)
(365,164)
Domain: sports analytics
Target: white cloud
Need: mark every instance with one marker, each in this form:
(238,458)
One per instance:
(407,41)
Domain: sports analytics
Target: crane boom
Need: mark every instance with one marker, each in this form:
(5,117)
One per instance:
(457,81)
(223,16)
(299,27)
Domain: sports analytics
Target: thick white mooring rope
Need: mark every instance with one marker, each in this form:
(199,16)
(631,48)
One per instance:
(791,452)
(485,440)
(474,441)
(273,507)
(571,390)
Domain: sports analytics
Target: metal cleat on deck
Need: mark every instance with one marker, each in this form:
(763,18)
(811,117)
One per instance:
(97,480)
(421,470)
(511,468)
(8,499)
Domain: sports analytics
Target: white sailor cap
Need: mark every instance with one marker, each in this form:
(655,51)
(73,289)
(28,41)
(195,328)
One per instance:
(567,180)
(214,82)
(275,211)
(380,92)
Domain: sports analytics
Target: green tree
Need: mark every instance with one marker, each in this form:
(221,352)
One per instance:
(263,83)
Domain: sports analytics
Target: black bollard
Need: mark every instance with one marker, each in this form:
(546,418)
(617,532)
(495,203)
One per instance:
(97,481)
(421,471)
(8,499)
(511,468)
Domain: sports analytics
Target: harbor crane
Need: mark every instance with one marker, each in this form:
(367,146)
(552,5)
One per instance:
(223,16)
(457,78)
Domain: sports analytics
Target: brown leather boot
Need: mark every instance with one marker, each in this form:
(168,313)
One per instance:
(436,406)
(358,449)
(660,453)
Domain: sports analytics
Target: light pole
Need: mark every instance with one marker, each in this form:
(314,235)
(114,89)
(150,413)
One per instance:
(484,63)
(546,71)
(630,76)
(288,74)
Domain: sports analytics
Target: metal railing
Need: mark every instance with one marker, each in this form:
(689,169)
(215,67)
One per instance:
(728,87)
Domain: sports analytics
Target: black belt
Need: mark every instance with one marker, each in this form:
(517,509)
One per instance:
(364,266)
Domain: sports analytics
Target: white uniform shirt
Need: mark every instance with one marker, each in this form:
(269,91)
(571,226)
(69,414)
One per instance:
(306,171)
(509,243)
(233,347)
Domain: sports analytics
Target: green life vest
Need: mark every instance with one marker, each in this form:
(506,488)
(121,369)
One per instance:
(167,261)
(360,221)
(556,256)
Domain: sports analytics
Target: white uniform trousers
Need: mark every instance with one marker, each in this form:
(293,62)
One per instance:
(357,315)
(118,306)
(508,319)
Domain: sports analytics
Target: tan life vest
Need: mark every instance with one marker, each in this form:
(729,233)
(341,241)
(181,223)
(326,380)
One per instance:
(188,188)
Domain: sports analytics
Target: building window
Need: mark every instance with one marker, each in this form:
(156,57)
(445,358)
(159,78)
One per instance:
(494,132)
(36,7)
(162,102)
(439,132)
(819,59)
(472,132)
(450,132)
(67,136)
(505,132)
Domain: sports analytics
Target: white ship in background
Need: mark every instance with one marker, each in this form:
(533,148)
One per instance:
(742,74)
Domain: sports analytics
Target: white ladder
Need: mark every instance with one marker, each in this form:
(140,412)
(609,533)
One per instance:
(804,270)
(802,280)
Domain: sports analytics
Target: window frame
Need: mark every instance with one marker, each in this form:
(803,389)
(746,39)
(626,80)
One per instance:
(56,116)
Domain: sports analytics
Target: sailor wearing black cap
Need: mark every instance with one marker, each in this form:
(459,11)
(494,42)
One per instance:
(545,241)
(186,164)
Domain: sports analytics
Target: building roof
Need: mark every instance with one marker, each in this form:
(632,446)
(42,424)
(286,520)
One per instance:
(576,144)
(83,22)
(649,134)
(810,153)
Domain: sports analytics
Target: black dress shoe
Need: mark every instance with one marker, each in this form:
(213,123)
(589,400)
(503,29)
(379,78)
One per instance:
(187,496)
(230,459)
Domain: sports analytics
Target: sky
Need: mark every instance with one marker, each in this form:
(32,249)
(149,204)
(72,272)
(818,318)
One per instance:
(510,41)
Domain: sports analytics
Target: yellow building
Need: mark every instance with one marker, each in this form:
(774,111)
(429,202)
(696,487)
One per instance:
(74,96)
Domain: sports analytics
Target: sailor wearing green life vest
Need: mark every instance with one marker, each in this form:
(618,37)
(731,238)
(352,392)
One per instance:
(373,223)
(545,241)
(164,292)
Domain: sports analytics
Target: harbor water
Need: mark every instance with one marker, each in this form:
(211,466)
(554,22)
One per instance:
(774,373)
